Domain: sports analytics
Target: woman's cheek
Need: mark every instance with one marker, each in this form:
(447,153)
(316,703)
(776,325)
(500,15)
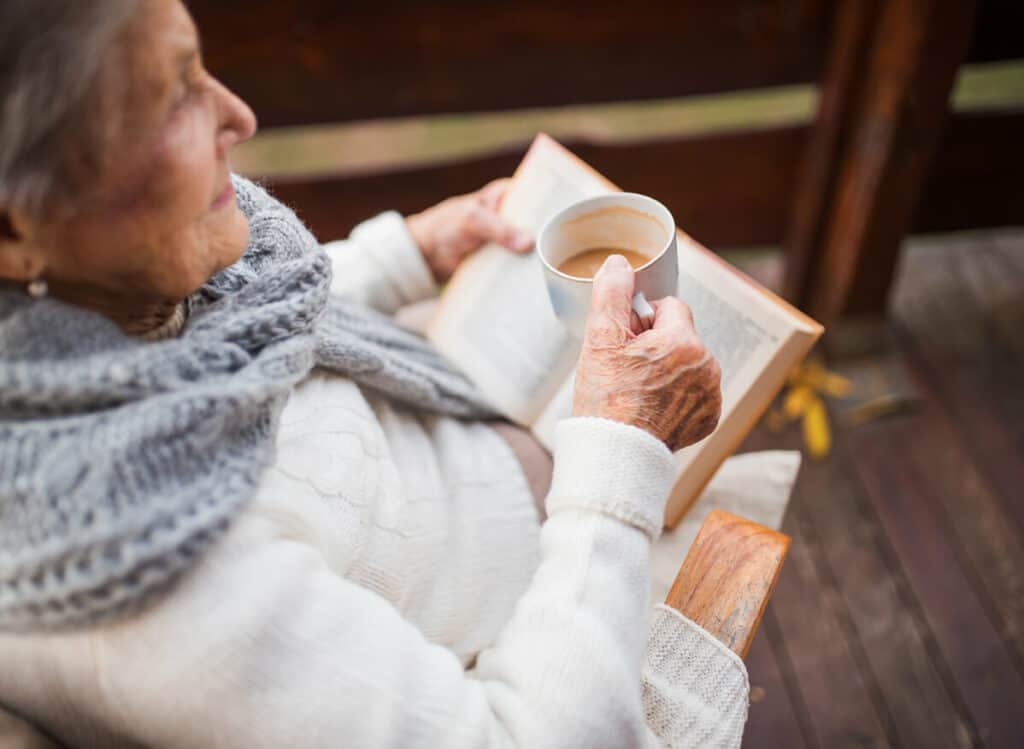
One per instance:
(187,157)
(229,236)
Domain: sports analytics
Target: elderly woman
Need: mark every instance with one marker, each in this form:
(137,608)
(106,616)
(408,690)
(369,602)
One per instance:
(240,508)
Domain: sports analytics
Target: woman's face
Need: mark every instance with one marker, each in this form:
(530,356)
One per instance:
(163,216)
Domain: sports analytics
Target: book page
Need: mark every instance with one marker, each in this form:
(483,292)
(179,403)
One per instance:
(738,328)
(756,337)
(558,408)
(504,335)
(495,320)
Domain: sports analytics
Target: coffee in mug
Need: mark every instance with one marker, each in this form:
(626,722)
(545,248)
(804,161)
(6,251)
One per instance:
(586,263)
(575,242)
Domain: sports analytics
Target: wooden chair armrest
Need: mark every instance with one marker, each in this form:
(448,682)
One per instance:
(727,577)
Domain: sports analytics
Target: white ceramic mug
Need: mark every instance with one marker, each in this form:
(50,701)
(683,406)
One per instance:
(623,220)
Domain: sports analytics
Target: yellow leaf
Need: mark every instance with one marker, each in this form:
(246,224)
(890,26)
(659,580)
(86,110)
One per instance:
(836,385)
(827,382)
(796,401)
(813,374)
(817,434)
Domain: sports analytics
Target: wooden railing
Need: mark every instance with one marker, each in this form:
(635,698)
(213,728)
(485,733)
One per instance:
(880,160)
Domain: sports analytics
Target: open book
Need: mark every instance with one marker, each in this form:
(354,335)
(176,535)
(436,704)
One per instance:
(495,322)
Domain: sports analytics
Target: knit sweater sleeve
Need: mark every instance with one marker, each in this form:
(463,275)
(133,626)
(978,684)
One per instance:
(380,265)
(263,645)
(695,690)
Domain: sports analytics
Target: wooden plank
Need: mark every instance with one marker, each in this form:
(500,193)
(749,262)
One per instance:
(890,638)
(945,329)
(960,307)
(997,292)
(985,537)
(1007,247)
(986,437)
(715,186)
(898,113)
(924,555)
(887,635)
(727,577)
(832,686)
(772,721)
(324,61)
(992,689)
(729,190)
(331,207)
(330,61)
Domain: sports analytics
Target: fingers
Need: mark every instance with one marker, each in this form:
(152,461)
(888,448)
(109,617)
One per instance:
(611,305)
(672,312)
(635,323)
(673,325)
(492,193)
(498,229)
(489,226)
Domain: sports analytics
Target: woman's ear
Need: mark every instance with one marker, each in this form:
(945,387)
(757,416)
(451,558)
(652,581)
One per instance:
(18,261)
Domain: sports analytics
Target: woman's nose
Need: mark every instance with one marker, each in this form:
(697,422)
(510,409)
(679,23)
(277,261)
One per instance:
(237,120)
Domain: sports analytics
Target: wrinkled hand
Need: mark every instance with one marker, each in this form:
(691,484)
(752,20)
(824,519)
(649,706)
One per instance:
(662,380)
(459,226)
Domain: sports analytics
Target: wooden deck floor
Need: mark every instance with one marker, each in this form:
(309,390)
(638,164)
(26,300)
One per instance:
(898,619)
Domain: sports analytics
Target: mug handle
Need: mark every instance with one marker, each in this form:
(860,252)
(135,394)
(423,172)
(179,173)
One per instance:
(643,310)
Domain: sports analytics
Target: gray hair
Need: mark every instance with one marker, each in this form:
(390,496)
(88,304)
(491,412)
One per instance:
(51,56)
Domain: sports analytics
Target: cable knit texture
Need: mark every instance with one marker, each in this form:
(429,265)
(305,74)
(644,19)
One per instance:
(121,460)
(694,688)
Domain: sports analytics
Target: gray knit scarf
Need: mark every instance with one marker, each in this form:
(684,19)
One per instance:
(121,461)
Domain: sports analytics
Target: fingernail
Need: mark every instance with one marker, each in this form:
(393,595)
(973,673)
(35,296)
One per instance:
(616,261)
(523,241)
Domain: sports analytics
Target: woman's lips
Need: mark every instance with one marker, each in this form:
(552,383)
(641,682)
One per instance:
(225,197)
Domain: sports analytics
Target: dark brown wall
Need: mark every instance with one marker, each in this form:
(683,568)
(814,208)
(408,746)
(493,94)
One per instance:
(327,61)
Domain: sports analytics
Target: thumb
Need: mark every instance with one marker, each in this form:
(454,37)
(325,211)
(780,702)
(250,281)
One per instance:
(611,302)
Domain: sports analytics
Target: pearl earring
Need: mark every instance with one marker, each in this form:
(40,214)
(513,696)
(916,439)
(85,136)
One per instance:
(38,288)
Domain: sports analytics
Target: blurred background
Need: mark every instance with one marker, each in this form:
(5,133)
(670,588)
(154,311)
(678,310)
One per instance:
(863,158)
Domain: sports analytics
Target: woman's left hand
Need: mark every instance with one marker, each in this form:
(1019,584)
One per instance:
(459,226)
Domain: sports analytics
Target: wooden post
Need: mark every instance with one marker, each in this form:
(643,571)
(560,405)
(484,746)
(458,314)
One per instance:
(728,576)
(883,105)
(811,204)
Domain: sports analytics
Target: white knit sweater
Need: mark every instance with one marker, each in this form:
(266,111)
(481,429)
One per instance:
(390,586)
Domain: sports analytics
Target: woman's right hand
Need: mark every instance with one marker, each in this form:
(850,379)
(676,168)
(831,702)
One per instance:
(662,380)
